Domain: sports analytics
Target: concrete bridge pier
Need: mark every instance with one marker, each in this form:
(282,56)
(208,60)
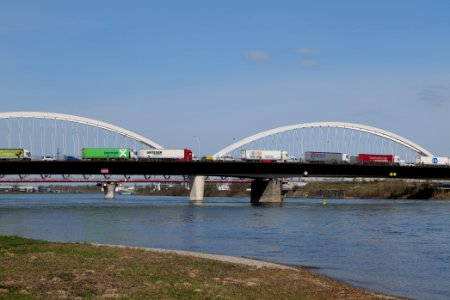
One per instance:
(267,191)
(109,188)
(197,186)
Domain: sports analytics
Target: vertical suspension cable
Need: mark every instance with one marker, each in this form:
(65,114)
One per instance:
(31,135)
(64,137)
(302,145)
(20,132)
(351,141)
(344,144)
(40,136)
(73,138)
(368,144)
(336,139)
(359,143)
(78,139)
(83,136)
(288,141)
(9,136)
(53,151)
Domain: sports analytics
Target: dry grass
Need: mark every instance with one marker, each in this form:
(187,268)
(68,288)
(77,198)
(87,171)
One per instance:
(31,269)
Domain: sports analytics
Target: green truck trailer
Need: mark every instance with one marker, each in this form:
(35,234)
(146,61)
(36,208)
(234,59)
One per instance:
(15,153)
(107,153)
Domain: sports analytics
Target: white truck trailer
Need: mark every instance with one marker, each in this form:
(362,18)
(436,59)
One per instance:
(433,160)
(264,155)
(165,154)
(326,157)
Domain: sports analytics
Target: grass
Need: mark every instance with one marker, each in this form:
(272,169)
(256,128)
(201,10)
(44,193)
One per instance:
(33,269)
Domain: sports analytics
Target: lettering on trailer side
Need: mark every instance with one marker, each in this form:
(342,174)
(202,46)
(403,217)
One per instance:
(154,152)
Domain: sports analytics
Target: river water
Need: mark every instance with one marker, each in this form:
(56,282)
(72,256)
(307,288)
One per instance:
(392,246)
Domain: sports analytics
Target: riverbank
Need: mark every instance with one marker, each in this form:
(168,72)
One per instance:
(377,189)
(32,269)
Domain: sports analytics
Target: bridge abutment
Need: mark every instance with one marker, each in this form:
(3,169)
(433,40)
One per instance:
(267,191)
(109,189)
(197,186)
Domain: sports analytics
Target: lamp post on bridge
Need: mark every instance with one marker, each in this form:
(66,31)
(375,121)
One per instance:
(198,145)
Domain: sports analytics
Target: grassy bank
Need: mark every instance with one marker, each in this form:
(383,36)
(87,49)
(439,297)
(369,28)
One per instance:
(32,269)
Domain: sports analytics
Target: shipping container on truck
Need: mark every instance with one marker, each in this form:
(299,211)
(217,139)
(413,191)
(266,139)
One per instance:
(15,153)
(386,159)
(326,157)
(433,160)
(264,155)
(107,153)
(165,154)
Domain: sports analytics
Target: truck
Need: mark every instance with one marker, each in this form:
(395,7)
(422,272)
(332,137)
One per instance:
(165,154)
(384,159)
(326,157)
(107,153)
(15,154)
(432,160)
(264,155)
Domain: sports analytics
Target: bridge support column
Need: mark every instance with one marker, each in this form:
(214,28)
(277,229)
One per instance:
(267,191)
(197,185)
(109,188)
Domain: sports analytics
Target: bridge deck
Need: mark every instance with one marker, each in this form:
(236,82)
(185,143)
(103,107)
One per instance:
(230,169)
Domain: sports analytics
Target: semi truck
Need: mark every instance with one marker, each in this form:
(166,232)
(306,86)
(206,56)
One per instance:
(108,153)
(326,157)
(15,153)
(264,155)
(165,154)
(384,159)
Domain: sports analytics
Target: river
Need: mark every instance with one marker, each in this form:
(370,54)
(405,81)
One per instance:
(398,247)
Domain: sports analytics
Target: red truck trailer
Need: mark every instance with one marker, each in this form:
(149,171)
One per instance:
(386,159)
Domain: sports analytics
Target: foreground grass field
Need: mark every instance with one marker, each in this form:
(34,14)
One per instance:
(32,269)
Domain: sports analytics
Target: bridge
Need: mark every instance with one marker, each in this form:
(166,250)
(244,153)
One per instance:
(62,136)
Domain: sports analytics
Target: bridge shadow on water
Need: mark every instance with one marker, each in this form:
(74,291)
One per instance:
(267,204)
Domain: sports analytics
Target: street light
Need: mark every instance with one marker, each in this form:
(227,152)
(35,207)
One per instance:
(198,145)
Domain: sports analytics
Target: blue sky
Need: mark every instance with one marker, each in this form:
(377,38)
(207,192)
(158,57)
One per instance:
(223,70)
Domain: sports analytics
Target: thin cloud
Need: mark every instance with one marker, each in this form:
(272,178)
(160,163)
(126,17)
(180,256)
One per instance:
(434,94)
(257,55)
(310,63)
(308,51)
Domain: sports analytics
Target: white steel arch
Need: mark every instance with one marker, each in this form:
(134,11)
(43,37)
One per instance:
(358,127)
(81,120)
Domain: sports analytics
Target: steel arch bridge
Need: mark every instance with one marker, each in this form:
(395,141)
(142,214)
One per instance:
(39,130)
(326,125)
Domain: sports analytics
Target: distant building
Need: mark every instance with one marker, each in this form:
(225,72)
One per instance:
(27,189)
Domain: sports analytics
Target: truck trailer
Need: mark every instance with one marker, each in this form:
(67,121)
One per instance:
(15,154)
(165,154)
(326,157)
(384,159)
(433,160)
(264,155)
(107,153)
